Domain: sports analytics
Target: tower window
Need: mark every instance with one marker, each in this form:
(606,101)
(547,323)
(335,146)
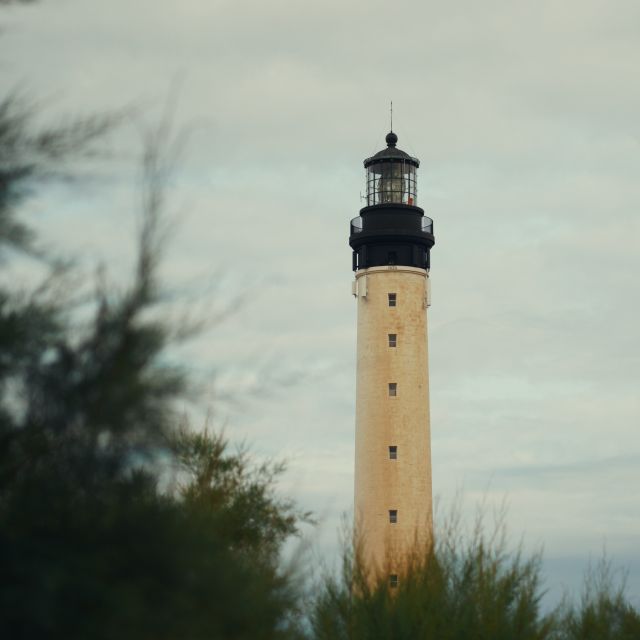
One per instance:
(392,339)
(393,452)
(393,388)
(393,516)
(393,257)
(392,299)
(393,580)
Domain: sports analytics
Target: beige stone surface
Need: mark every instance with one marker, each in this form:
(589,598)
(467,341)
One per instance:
(382,484)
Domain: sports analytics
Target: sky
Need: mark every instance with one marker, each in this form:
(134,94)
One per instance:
(525,118)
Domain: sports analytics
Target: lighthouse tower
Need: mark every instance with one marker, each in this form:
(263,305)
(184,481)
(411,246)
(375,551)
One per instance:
(391,241)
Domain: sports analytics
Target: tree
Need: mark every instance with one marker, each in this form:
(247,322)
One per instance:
(115,521)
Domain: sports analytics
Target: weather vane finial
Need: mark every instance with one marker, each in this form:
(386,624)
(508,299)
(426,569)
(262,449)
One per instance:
(391,112)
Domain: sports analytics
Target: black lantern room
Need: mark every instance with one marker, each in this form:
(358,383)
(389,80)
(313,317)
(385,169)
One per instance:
(391,229)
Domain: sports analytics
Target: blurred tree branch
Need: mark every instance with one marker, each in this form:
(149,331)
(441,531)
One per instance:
(29,153)
(89,430)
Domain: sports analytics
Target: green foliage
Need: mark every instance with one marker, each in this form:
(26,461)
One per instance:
(124,559)
(465,587)
(229,488)
(30,153)
(114,522)
(454,590)
(603,612)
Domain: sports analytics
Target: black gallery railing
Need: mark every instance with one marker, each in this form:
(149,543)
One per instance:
(426,225)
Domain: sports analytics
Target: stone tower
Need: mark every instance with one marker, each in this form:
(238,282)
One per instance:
(391,241)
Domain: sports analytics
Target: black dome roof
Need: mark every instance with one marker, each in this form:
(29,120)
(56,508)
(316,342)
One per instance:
(391,153)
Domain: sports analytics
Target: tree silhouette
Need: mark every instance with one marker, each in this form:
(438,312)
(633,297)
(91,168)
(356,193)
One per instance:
(115,521)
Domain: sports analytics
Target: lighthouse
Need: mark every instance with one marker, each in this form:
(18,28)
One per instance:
(391,241)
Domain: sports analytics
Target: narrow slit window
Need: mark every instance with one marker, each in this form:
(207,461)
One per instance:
(393,516)
(393,580)
(392,299)
(393,339)
(393,388)
(393,452)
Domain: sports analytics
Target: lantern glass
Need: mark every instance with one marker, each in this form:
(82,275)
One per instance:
(391,182)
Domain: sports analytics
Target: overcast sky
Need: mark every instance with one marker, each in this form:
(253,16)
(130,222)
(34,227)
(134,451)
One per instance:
(525,116)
